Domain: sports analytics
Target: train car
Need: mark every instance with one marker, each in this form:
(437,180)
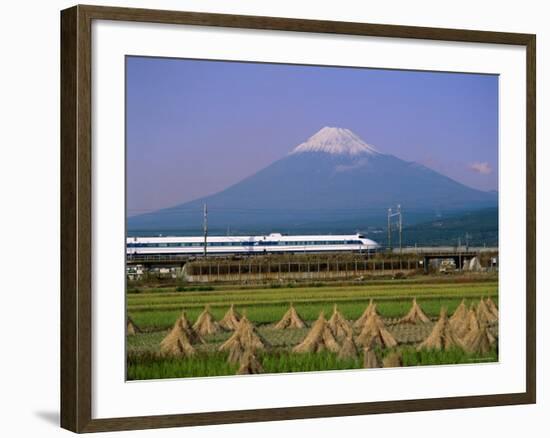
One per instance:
(268,244)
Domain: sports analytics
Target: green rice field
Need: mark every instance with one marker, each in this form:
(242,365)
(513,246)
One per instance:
(155,312)
(158,310)
(147,366)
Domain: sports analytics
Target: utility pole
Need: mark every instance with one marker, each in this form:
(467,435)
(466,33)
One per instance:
(460,262)
(205,226)
(400,229)
(389,228)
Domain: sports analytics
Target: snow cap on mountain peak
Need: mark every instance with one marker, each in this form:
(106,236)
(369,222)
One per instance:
(337,141)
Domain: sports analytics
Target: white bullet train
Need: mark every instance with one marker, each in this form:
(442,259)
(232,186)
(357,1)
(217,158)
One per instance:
(272,243)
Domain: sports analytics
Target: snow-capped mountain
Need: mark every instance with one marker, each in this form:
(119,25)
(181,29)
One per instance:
(333,182)
(335,141)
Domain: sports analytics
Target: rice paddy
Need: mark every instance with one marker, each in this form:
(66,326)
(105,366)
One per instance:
(154,313)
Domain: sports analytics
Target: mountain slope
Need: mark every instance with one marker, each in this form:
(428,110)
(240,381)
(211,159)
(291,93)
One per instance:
(477,228)
(333,182)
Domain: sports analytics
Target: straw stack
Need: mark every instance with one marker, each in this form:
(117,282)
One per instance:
(468,323)
(374,331)
(319,338)
(243,339)
(206,324)
(370,359)
(416,315)
(131,327)
(340,326)
(442,336)
(393,360)
(365,316)
(459,315)
(180,340)
(484,315)
(479,340)
(348,350)
(492,307)
(249,364)
(231,319)
(290,320)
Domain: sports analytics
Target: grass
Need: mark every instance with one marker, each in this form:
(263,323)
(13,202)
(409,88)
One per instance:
(411,357)
(158,311)
(269,313)
(182,288)
(151,366)
(235,294)
(147,365)
(155,311)
(170,285)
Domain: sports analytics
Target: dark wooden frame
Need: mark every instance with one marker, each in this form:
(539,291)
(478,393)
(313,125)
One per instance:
(76,173)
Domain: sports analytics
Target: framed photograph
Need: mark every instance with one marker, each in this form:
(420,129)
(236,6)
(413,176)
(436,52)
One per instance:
(270,218)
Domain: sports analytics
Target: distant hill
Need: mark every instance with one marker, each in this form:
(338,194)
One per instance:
(477,228)
(334,182)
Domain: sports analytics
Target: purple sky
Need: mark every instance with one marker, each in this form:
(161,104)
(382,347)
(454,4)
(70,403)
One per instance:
(196,127)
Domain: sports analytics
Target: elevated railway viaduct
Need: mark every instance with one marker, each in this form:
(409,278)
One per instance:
(314,266)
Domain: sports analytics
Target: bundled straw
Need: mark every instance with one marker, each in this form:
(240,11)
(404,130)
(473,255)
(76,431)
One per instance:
(365,316)
(442,336)
(374,331)
(415,315)
(348,350)
(236,353)
(484,315)
(468,323)
(479,340)
(250,364)
(370,359)
(291,319)
(492,307)
(459,315)
(231,319)
(243,339)
(340,326)
(393,360)
(319,338)
(131,327)
(206,324)
(180,339)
